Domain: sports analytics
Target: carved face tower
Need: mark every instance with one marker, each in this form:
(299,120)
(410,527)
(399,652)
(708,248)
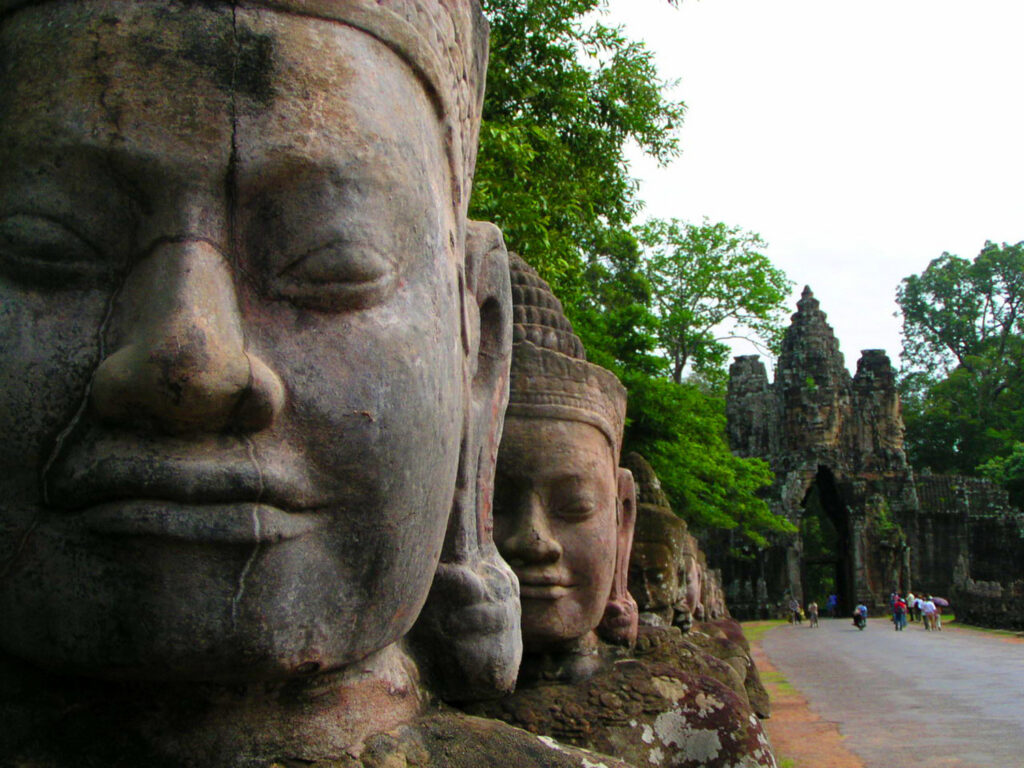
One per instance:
(563,510)
(239,333)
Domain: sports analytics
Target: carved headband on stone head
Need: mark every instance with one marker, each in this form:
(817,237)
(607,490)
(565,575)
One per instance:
(551,377)
(443,41)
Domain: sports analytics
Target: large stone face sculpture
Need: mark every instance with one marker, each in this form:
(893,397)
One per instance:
(253,364)
(564,512)
(563,520)
(187,338)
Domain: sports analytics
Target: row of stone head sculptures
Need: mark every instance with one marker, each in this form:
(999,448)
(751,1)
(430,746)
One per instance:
(265,432)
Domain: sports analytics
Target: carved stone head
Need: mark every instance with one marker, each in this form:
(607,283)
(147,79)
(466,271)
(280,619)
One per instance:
(713,597)
(564,510)
(657,565)
(695,568)
(252,366)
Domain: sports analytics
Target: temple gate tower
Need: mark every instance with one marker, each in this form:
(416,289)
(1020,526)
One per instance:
(835,444)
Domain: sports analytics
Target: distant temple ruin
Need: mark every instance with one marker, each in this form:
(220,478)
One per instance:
(865,524)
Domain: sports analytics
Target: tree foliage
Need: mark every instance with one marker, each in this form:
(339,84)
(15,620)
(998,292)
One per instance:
(679,426)
(710,282)
(614,315)
(680,429)
(565,96)
(1008,471)
(963,358)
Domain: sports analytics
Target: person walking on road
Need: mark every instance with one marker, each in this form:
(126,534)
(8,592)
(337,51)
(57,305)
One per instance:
(812,614)
(831,604)
(910,606)
(794,612)
(899,613)
(936,615)
(928,613)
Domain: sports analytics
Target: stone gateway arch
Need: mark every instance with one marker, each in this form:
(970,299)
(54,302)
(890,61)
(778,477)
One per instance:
(866,525)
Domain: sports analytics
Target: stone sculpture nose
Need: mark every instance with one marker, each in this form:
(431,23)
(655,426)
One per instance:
(181,364)
(532,541)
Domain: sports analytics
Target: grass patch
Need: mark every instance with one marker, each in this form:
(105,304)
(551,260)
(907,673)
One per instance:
(776,682)
(754,630)
(1014,633)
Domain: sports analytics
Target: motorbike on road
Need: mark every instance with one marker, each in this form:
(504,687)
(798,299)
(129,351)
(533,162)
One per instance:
(860,617)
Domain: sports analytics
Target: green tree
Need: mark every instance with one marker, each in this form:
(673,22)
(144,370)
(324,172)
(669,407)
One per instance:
(710,283)
(1008,471)
(963,358)
(613,315)
(678,427)
(680,430)
(565,96)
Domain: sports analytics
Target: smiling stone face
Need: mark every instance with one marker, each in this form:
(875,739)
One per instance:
(232,383)
(555,524)
(564,510)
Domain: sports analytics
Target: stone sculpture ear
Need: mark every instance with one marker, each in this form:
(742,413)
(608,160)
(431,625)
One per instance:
(621,616)
(468,639)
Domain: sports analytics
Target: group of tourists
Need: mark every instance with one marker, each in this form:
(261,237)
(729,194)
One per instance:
(796,616)
(923,608)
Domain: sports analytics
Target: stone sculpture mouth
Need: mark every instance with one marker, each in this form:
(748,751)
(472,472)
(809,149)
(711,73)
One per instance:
(221,496)
(543,592)
(238,523)
(191,483)
(203,476)
(542,586)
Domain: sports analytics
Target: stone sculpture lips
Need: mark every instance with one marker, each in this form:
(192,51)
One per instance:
(542,585)
(243,523)
(218,493)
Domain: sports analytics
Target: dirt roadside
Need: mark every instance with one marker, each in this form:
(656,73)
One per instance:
(800,738)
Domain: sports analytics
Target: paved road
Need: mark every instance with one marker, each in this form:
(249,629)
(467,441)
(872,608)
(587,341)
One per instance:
(911,699)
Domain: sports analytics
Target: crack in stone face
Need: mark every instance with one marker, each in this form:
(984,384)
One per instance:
(236,599)
(101,354)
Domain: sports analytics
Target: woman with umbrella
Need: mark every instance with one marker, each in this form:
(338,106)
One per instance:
(940,603)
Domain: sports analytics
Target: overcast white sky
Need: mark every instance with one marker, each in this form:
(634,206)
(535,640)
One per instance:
(860,139)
